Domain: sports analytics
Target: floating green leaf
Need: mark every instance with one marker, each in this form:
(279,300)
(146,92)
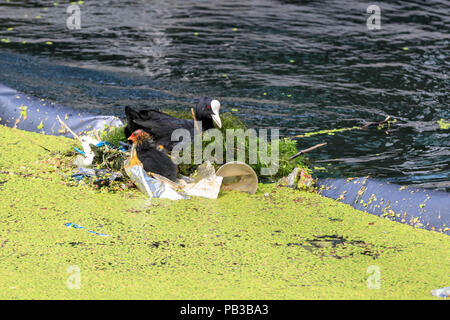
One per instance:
(444,124)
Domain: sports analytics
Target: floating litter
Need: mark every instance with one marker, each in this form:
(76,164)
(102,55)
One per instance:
(77,226)
(442,292)
(238,176)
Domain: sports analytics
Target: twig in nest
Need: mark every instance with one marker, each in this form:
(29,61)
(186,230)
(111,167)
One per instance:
(97,135)
(375,123)
(17,122)
(307,150)
(64,125)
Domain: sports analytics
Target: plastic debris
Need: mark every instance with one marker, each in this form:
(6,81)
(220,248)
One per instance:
(183,180)
(155,188)
(204,182)
(442,292)
(299,179)
(305,181)
(207,187)
(77,226)
(98,176)
(98,145)
(107,157)
(99,152)
(106,143)
(87,155)
(205,170)
(238,176)
(292,178)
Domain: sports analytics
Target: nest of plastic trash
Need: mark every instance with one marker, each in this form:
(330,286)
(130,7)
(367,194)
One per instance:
(103,164)
(287,147)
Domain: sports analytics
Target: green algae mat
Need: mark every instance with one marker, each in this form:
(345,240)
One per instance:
(276,244)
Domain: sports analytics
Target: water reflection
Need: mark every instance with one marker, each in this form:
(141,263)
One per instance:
(299,65)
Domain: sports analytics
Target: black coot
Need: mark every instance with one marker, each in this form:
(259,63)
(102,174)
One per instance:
(160,125)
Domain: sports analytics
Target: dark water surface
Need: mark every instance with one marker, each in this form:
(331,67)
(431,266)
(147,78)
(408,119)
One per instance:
(298,65)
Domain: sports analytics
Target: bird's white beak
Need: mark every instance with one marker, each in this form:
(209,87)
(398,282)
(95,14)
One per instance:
(215,107)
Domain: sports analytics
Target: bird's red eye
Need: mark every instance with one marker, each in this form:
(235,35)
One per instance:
(208,107)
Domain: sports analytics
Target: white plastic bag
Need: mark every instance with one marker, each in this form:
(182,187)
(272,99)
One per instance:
(153,187)
(207,187)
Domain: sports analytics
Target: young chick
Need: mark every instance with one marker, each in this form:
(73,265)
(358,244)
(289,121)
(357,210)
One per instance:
(152,156)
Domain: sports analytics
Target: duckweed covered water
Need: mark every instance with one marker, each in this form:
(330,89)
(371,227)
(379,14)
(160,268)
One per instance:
(275,244)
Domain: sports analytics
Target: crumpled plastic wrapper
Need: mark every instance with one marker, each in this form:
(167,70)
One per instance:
(442,292)
(305,181)
(205,170)
(206,184)
(86,159)
(207,187)
(298,179)
(153,187)
(96,174)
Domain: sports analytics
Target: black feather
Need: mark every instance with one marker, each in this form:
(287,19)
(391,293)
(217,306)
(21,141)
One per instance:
(161,125)
(155,161)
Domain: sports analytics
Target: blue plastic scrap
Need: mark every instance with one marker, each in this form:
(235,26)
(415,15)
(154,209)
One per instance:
(96,174)
(79,151)
(101,144)
(106,143)
(77,226)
